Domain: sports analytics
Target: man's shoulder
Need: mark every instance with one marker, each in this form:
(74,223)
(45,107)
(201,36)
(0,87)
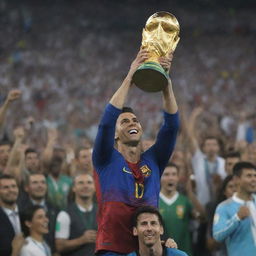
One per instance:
(174,252)
(227,205)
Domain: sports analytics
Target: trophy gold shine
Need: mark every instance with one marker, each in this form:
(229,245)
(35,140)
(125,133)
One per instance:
(159,37)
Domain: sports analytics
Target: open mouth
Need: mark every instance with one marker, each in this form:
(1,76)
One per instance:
(133,131)
(45,225)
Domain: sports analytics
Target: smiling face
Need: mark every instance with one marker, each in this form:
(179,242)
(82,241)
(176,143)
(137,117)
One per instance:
(4,154)
(211,147)
(8,191)
(128,129)
(247,181)
(32,161)
(39,223)
(84,186)
(148,229)
(37,186)
(169,180)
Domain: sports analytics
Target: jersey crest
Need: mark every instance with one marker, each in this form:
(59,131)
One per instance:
(145,170)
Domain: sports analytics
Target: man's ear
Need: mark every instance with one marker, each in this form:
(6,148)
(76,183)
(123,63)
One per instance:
(236,179)
(28,224)
(134,231)
(161,230)
(116,136)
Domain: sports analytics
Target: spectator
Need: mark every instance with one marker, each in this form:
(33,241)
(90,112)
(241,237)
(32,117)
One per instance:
(5,148)
(76,227)
(83,161)
(58,184)
(230,160)
(177,210)
(235,218)
(36,189)
(35,227)
(227,190)
(10,228)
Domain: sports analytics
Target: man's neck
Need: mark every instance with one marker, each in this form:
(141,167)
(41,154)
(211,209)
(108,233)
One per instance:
(37,237)
(244,195)
(37,200)
(130,153)
(55,177)
(85,203)
(9,206)
(155,250)
(168,194)
(211,158)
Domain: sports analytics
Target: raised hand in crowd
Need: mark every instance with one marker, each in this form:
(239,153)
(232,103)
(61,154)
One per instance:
(12,96)
(17,244)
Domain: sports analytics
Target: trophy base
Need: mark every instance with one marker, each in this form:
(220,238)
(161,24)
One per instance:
(150,77)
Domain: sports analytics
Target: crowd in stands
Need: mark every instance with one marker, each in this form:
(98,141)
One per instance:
(59,67)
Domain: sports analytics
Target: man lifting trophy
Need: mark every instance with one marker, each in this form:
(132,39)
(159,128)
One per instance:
(160,38)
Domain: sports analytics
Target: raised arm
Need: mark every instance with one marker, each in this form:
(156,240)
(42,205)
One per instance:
(169,101)
(12,95)
(167,135)
(191,128)
(104,143)
(119,97)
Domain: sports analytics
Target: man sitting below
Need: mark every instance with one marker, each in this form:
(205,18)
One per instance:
(148,227)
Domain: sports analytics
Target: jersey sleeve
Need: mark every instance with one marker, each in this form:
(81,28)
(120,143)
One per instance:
(223,225)
(166,139)
(104,142)
(62,230)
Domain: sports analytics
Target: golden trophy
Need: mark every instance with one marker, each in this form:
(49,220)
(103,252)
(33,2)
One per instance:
(159,37)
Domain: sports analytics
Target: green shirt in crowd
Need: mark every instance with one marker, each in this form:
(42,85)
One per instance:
(58,191)
(176,213)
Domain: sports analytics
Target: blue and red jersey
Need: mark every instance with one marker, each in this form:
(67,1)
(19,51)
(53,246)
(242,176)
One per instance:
(118,190)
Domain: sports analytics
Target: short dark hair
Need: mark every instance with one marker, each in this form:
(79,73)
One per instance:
(127,109)
(233,154)
(30,150)
(27,215)
(171,164)
(5,142)
(27,179)
(211,137)
(221,197)
(7,177)
(79,149)
(56,160)
(238,167)
(146,209)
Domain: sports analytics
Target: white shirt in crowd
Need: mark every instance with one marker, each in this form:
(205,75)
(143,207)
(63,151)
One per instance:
(63,223)
(199,167)
(35,248)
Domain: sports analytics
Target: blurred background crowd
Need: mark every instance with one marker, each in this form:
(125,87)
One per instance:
(61,60)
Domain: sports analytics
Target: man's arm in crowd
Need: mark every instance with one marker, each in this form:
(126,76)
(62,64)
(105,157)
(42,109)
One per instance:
(16,158)
(12,96)
(191,129)
(223,225)
(198,211)
(52,136)
(65,245)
